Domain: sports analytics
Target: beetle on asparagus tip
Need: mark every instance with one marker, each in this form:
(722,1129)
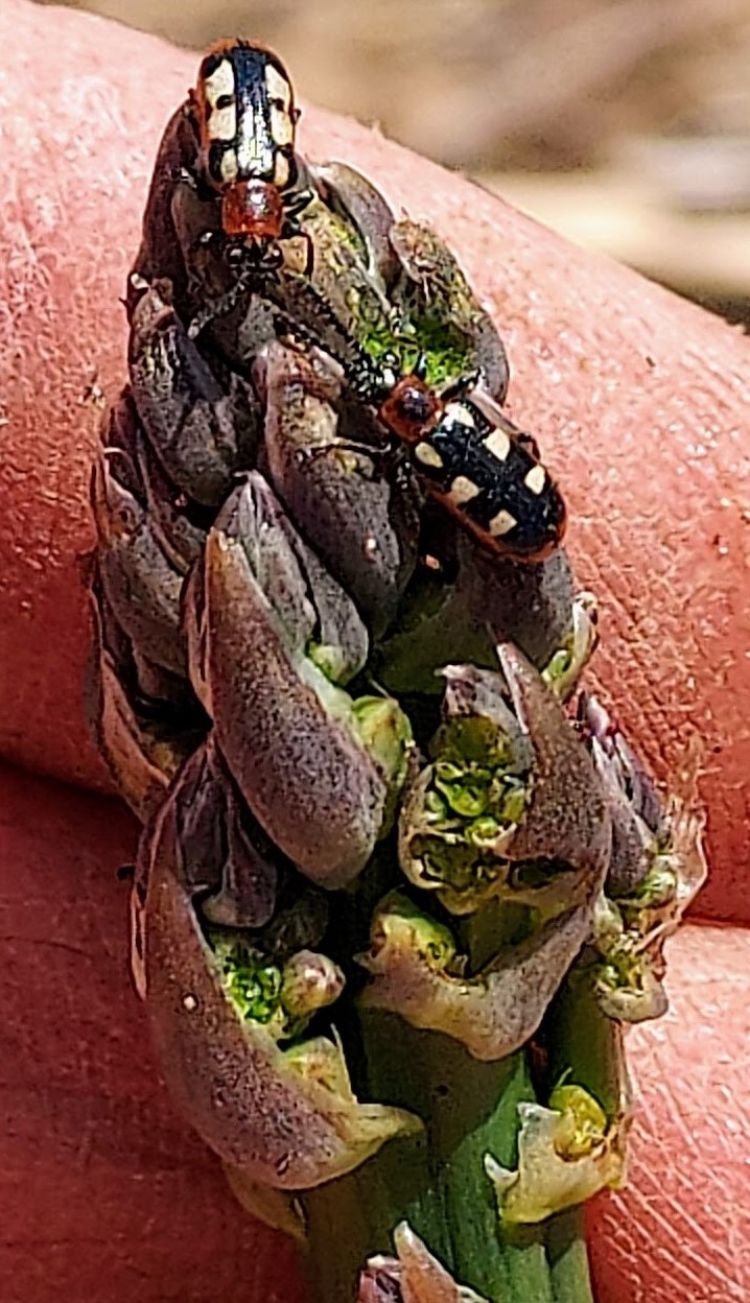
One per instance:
(246,119)
(484,471)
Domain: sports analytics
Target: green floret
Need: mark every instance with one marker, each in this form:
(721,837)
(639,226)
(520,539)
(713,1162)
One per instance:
(622,967)
(587,1121)
(382,334)
(281,997)
(445,350)
(441,349)
(385,732)
(475,796)
(347,234)
(328,659)
(559,664)
(252,982)
(659,886)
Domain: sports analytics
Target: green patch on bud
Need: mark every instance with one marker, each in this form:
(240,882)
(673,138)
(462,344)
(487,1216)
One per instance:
(378,724)
(623,968)
(400,927)
(557,1169)
(483,831)
(445,351)
(434,625)
(585,1120)
(607,923)
(657,889)
(626,981)
(311,981)
(622,965)
(565,666)
(320,1062)
(559,664)
(466,791)
(329,659)
(345,233)
(384,336)
(472,740)
(515,800)
(629,934)
(385,732)
(432,341)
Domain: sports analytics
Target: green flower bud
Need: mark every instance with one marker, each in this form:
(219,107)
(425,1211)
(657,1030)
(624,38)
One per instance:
(585,1117)
(415,971)
(551,1174)
(310,982)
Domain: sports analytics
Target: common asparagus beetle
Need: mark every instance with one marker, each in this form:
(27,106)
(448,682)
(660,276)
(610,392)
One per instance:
(246,120)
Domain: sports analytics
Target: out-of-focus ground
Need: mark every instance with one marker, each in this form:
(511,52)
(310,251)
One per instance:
(625,124)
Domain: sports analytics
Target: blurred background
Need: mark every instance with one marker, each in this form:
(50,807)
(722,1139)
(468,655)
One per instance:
(625,124)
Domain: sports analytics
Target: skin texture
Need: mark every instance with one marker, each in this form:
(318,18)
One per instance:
(640,403)
(639,400)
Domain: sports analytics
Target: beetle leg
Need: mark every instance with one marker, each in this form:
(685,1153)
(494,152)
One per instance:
(223,305)
(296,201)
(460,388)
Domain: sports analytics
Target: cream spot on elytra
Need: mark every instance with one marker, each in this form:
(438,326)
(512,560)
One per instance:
(535,480)
(463,490)
(229,165)
(428,455)
(502,523)
(222,125)
(498,443)
(282,127)
(460,412)
(278,86)
(221,82)
(281,170)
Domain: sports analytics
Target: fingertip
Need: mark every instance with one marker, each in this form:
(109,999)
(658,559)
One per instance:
(639,401)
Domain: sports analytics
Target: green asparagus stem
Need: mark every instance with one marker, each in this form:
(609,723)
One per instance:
(437,1181)
(585,1044)
(568,1257)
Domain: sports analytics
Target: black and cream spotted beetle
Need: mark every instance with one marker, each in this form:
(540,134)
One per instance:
(464,450)
(466,453)
(246,119)
(480,466)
